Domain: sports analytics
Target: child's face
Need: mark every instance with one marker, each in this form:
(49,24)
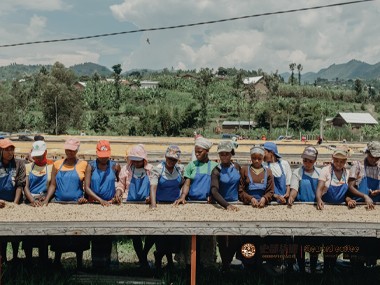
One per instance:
(257,160)
(339,163)
(268,156)
(225,157)
(308,164)
(200,153)
(103,160)
(138,164)
(372,161)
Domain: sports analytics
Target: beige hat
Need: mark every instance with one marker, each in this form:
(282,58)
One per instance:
(340,153)
(374,148)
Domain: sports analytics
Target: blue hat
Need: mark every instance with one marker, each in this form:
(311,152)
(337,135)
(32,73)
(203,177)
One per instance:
(270,146)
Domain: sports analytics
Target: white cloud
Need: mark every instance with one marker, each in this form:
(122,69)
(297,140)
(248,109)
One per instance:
(315,38)
(35,5)
(36,26)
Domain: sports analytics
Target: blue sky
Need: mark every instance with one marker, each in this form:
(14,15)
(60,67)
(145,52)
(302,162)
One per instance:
(316,39)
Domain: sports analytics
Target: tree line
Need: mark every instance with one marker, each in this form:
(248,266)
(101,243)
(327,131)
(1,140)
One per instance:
(48,101)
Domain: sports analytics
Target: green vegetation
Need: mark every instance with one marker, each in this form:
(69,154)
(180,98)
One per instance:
(48,100)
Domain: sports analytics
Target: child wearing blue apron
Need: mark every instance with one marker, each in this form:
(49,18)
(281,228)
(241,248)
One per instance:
(304,182)
(134,182)
(364,185)
(101,177)
(332,188)
(256,189)
(281,172)
(12,181)
(38,174)
(364,179)
(66,186)
(197,188)
(166,182)
(303,187)
(100,184)
(225,179)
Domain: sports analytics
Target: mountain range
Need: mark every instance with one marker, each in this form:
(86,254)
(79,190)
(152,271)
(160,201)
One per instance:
(351,70)
(354,69)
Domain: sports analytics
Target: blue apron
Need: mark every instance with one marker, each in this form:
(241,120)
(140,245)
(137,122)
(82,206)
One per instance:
(257,190)
(308,186)
(69,186)
(229,180)
(7,188)
(335,194)
(201,184)
(38,184)
(103,182)
(366,184)
(279,182)
(168,190)
(139,188)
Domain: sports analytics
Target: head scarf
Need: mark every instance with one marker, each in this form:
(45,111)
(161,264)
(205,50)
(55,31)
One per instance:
(203,143)
(257,149)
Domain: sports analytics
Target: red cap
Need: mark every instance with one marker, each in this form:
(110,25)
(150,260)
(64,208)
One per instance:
(103,149)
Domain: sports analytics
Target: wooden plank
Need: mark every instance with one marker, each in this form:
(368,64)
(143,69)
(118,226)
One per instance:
(264,228)
(193,273)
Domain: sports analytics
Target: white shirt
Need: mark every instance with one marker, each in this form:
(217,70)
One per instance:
(297,176)
(276,169)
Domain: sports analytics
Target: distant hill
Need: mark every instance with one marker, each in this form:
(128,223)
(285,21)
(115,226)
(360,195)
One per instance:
(89,68)
(351,70)
(18,71)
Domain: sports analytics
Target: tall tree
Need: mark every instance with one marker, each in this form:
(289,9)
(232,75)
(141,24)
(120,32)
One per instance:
(299,68)
(358,87)
(204,81)
(292,66)
(62,104)
(95,80)
(117,76)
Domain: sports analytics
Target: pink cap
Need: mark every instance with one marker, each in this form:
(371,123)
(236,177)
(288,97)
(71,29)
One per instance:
(138,152)
(72,144)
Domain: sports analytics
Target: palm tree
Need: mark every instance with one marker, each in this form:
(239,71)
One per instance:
(299,68)
(292,66)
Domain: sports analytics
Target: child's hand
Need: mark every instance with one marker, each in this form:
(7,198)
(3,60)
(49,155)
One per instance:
(232,208)
(254,202)
(351,204)
(262,202)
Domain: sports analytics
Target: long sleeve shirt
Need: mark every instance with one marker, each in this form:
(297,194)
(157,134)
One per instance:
(215,176)
(244,183)
(125,177)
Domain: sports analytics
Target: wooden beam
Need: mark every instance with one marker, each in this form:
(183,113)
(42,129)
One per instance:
(265,228)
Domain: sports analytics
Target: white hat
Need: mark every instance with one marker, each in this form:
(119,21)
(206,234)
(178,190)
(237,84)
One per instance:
(38,149)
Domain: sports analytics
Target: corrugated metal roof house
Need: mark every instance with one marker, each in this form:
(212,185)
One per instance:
(356,120)
(258,82)
(234,125)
